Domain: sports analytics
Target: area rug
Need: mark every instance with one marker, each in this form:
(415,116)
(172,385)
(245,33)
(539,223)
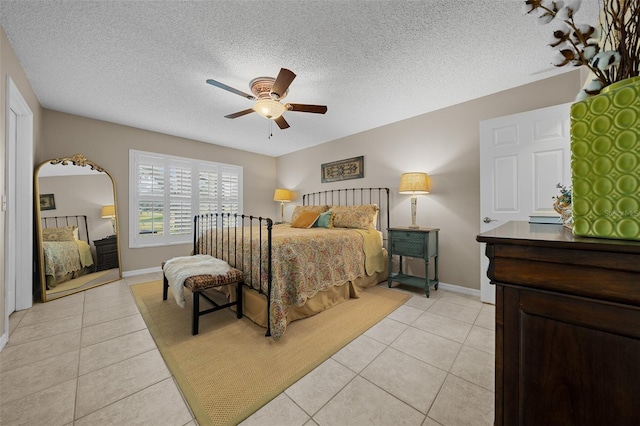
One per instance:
(230,369)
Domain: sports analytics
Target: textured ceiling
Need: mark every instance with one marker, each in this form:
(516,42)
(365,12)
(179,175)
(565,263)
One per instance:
(144,63)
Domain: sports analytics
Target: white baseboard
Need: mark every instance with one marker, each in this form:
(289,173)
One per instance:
(459,289)
(142,271)
(3,340)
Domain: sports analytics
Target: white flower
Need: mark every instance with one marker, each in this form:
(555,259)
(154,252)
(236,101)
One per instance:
(582,95)
(592,88)
(573,5)
(604,60)
(544,18)
(553,4)
(544,15)
(590,51)
(587,31)
(594,85)
(563,57)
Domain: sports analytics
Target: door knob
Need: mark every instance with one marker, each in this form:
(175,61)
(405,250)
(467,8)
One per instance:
(487,219)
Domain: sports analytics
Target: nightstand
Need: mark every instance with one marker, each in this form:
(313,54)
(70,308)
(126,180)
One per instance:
(106,253)
(421,243)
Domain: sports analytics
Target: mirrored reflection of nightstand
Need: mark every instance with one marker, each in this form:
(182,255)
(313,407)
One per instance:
(420,243)
(106,253)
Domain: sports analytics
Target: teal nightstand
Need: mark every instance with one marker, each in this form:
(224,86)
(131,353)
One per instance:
(421,243)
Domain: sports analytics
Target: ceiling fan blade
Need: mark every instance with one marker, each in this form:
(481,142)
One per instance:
(230,89)
(240,113)
(281,122)
(316,109)
(283,80)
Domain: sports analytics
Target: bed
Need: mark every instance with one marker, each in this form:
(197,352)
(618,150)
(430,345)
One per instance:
(66,248)
(332,249)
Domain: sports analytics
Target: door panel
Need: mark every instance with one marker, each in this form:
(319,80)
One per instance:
(505,183)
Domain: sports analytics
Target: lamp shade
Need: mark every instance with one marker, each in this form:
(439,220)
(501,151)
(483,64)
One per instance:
(415,183)
(283,195)
(108,212)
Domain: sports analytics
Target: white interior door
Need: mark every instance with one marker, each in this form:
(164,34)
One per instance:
(19,206)
(522,159)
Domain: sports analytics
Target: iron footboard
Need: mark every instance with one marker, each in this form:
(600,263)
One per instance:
(242,241)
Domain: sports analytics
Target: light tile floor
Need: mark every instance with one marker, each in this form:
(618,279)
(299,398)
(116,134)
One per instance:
(88,359)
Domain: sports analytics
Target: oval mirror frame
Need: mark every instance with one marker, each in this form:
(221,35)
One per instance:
(85,225)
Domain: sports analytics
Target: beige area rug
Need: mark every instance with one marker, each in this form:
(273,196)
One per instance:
(230,369)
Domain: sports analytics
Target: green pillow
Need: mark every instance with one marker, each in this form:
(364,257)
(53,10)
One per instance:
(324,220)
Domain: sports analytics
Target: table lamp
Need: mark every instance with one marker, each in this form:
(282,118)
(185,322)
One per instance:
(283,196)
(109,212)
(414,183)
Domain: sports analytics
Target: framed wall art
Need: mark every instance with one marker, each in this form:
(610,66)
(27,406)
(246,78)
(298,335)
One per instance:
(47,202)
(351,168)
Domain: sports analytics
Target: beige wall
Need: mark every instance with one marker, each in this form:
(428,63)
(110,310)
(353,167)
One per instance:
(10,67)
(108,144)
(444,144)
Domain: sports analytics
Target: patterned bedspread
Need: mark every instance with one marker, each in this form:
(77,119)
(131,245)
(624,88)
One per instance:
(305,261)
(63,257)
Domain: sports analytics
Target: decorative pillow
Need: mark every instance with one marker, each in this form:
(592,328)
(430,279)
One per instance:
(299,209)
(325,220)
(64,233)
(305,220)
(362,217)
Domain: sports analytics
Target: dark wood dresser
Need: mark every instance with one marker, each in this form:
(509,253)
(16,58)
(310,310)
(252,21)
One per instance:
(567,326)
(106,253)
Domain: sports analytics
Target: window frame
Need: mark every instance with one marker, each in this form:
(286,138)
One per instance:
(221,201)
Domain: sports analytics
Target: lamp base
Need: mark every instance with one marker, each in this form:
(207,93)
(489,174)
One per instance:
(414,202)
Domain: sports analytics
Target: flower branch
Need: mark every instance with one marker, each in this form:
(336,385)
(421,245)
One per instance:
(611,54)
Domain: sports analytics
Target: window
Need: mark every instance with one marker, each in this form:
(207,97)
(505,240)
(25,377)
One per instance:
(166,192)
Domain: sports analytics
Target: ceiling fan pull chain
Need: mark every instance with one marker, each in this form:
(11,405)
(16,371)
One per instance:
(270,130)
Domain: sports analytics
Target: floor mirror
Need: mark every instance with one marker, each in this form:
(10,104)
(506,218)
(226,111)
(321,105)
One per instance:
(76,226)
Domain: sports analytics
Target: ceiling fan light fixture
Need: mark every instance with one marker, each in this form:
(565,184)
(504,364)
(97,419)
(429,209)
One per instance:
(268,108)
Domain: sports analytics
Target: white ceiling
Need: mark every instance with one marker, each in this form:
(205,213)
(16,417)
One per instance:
(144,63)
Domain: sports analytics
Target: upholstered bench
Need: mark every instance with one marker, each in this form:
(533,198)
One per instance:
(198,283)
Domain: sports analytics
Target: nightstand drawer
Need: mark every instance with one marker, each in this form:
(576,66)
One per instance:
(110,257)
(408,236)
(408,247)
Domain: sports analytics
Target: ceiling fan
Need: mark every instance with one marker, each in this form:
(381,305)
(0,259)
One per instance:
(268,92)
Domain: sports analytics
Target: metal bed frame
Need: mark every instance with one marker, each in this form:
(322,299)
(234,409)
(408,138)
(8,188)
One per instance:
(77,220)
(240,226)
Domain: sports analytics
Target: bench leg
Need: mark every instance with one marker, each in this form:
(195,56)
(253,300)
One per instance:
(196,312)
(165,286)
(239,300)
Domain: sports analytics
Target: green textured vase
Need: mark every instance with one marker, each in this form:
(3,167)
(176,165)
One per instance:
(605,162)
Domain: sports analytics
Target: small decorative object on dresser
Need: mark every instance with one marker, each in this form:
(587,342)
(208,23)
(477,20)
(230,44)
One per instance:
(106,253)
(419,243)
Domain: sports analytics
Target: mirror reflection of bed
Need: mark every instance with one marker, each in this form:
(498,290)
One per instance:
(77,227)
